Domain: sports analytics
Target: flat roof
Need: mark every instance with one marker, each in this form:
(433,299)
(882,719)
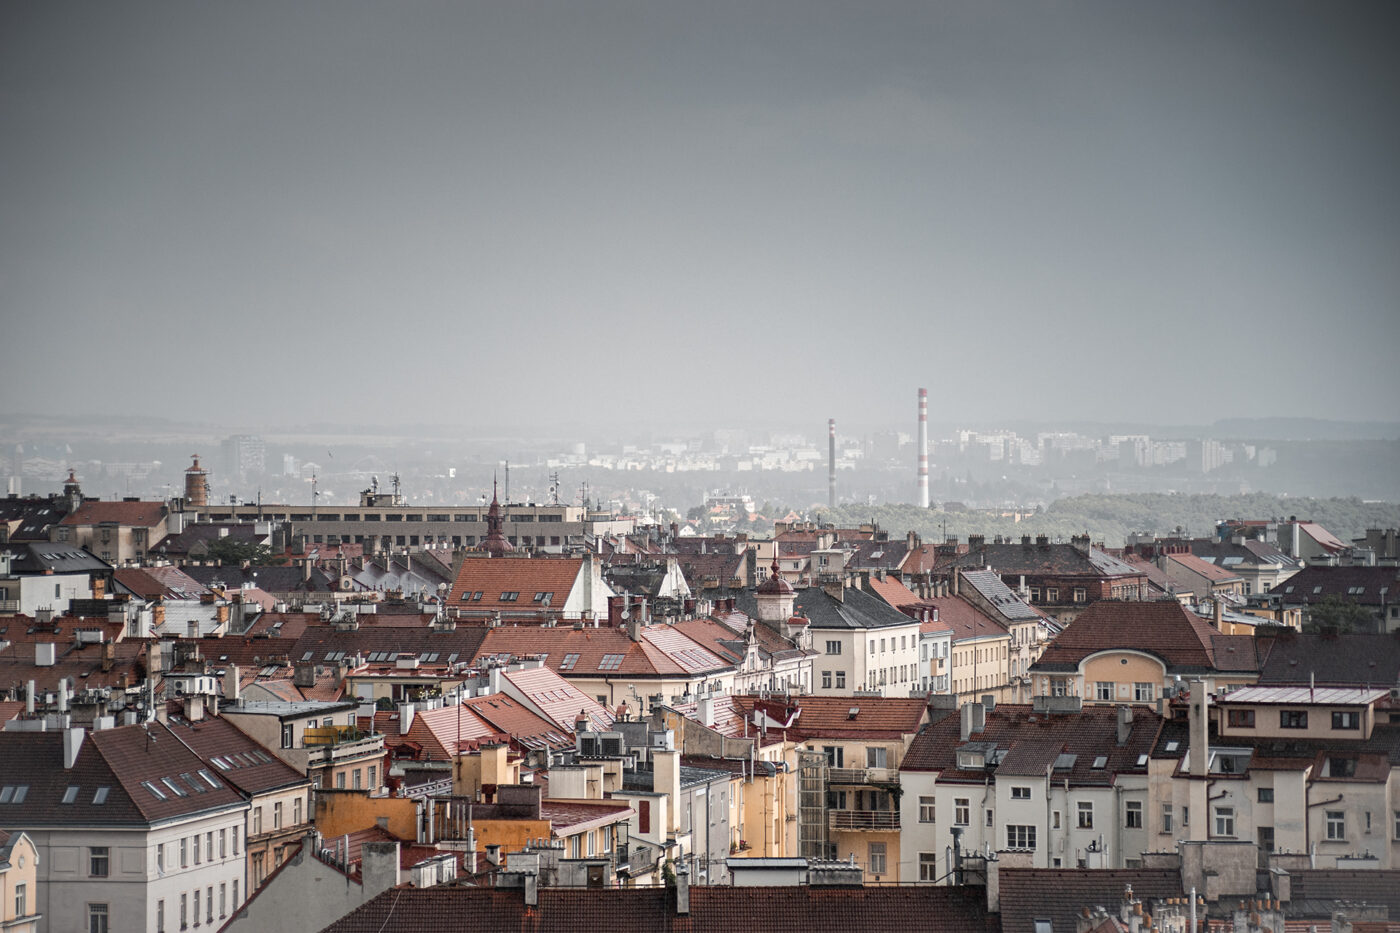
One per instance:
(1296,695)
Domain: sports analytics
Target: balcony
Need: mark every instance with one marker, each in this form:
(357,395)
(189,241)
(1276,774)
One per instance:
(333,744)
(862,776)
(871,820)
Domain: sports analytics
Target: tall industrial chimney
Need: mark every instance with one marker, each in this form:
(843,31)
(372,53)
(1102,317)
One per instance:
(923,448)
(831,462)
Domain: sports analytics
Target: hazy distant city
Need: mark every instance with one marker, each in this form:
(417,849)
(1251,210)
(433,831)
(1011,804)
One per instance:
(658,475)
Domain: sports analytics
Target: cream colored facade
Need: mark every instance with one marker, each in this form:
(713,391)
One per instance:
(1122,675)
(981,665)
(19,888)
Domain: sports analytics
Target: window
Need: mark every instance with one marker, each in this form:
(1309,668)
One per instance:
(184,915)
(1341,767)
(21,900)
(991,817)
(568,663)
(1085,811)
(928,866)
(184,852)
(97,918)
(71,794)
(1346,719)
(1240,718)
(98,861)
(235,894)
(1225,821)
(876,757)
(826,680)
(510,596)
(209,903)
(257,821)
(840,680)
(1336,825)
(1020,837)
(277,813)
(1080,594)
(1266,795)
(1052,594)
(1397,824)
(835,756)
(340,781)
(928,807)
(287,735)
(1055,819)
(209,845)
(833,647)
(1132,814)
(160,859)
(223,843)
(1103,690)
(876,863)
(196,906)
(1020,793)
(1293,719)
(296,804)
(1059,687)
(1144,693)
(223,904)
(961,811)
(235,840)
(610,662)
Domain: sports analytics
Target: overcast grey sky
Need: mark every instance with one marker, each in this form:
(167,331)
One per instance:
(606,213)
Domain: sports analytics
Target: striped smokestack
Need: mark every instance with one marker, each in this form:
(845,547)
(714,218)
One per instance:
(923,448)
(831,462)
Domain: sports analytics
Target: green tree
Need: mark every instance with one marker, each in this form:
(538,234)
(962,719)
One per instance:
(232,550)
(1337,614)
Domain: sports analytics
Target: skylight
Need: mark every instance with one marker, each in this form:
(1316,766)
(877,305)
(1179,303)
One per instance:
(100,797)
(13,793)
(71,794)
(155,791)
(610,662)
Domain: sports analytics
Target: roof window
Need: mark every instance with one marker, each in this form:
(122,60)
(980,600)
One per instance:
(610,662)
(71,794)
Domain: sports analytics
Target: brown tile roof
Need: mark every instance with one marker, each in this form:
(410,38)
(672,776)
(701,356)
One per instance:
(559,700)
(832,718)
(159,582)
(1182,640)
(136,514)
(510,717)
(525,576)
(891,591)
(1202,567)
(441,734)
(964,619)
(236,756)
(1032,742)
(1353,658)
(721,909)
(119,759)
(1057,894)
(660,653)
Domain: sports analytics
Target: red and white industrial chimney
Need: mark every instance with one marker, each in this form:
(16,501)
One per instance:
(923,448)
(831,462)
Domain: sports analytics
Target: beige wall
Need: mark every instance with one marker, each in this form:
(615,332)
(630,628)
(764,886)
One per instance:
(23,870)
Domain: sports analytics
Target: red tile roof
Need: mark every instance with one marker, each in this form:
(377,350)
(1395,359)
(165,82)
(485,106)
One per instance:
(842,717)
(1184,641)
(136,514)
(559,700)
(524,576)
(1058,894)
(1202,567)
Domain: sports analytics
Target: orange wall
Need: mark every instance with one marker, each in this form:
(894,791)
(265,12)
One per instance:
(343,812)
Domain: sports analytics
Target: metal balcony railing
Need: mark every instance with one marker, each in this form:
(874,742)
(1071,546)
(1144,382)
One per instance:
(862,775)
(865,819)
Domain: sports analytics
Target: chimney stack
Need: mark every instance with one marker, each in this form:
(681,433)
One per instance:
(923,448)
(831,463)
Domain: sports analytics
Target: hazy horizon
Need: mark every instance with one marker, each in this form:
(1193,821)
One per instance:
(568,217)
